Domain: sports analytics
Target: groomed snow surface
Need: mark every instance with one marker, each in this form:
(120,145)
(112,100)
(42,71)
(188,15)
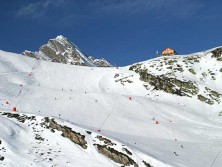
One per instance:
(162,129)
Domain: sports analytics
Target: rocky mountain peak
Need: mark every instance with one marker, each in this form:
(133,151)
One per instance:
(62,50)
(65,42)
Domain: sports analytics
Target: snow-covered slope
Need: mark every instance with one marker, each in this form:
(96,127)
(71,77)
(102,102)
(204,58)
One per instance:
(165,111)
(44,141)
(62,50)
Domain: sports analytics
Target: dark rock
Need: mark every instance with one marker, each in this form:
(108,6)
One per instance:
(20,117)
(169,85)
(192,71)
(2,158)
(100,62)
(38,137)
(217,53)
(88,132)
(115,155)
(204,99)
(67,132)
(105,140)
(146,164)
(127,151)
(29,54)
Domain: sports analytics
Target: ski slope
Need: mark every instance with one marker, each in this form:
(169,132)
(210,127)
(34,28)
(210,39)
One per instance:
(161,128)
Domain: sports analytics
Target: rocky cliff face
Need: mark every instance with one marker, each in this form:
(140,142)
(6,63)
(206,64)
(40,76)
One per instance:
(29,54)
(61,50)
(100,62)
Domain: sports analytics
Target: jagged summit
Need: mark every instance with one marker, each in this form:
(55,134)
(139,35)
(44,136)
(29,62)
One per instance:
(60,37)
(62,50)
(64,41)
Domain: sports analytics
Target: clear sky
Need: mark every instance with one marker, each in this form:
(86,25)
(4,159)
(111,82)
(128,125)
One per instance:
(121,31)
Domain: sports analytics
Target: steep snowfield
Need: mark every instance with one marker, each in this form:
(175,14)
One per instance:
(112,102)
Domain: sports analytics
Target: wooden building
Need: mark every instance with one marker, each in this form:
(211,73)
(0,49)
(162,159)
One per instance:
(168,52)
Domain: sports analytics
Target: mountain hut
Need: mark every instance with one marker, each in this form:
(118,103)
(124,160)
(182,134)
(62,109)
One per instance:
(168,52)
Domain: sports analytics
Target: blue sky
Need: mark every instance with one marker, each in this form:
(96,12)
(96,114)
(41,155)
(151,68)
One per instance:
(121,31)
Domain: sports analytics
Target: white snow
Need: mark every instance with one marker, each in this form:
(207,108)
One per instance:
(93,98)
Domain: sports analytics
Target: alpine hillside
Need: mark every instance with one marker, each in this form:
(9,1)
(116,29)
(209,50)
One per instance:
(163,112)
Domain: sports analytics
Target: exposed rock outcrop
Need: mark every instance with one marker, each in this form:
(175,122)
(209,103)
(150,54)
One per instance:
(19,117)
(29,54)
(100,62)
(147,164)
(170,83)
(115,155)
(105,140)
(217,53)
(67,132)
(2,158)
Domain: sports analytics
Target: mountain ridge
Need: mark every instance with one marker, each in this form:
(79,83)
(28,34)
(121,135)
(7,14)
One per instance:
(62,50)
